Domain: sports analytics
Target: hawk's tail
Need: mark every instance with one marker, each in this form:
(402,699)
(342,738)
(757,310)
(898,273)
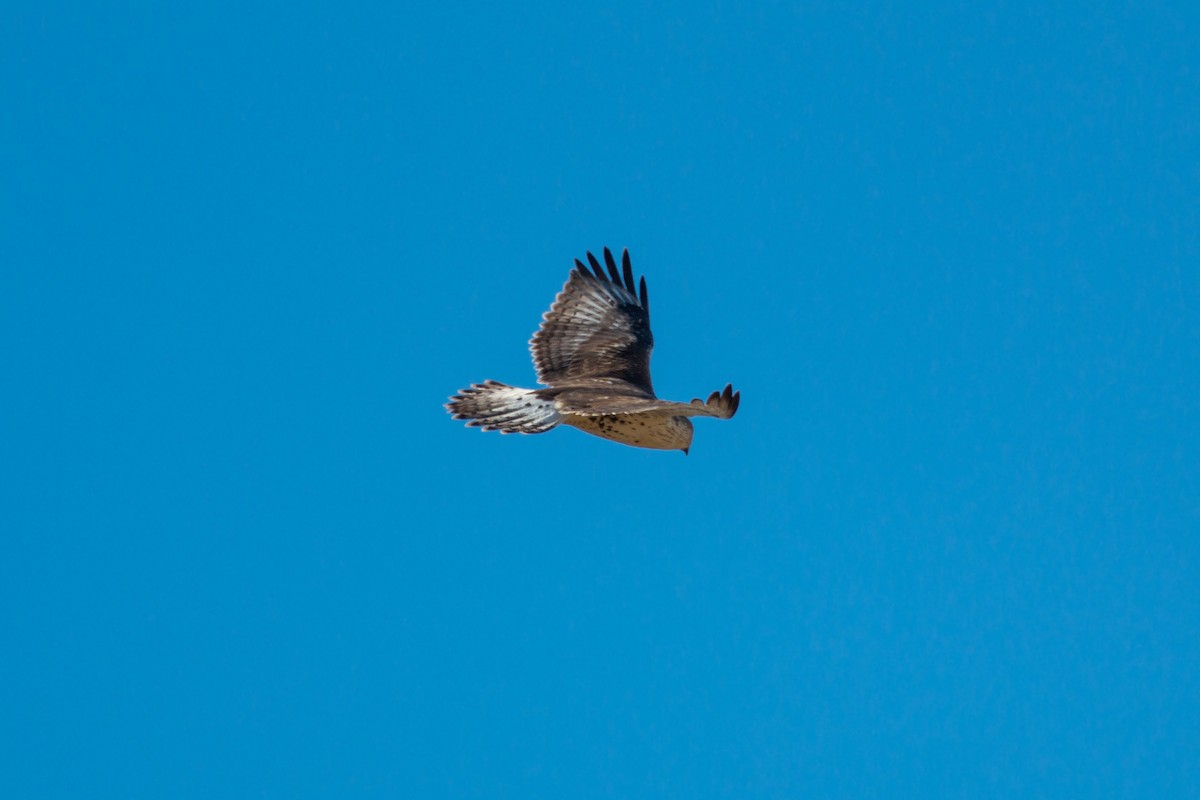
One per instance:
(498,407)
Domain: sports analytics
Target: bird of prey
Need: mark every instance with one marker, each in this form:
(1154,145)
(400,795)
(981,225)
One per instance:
(592,352)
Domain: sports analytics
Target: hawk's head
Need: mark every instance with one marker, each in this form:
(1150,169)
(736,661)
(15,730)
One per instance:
(681,431)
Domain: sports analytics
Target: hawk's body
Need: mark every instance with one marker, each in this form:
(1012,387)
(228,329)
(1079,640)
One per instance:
(593,354)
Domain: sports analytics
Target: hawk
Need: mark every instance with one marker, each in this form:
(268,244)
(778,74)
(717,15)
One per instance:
(592,352)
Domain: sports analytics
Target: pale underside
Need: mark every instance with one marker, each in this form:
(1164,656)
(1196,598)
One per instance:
(658,430)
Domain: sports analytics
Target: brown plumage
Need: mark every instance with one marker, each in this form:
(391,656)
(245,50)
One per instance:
(592,352)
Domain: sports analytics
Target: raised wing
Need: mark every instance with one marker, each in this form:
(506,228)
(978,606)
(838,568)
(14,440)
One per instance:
(598,327)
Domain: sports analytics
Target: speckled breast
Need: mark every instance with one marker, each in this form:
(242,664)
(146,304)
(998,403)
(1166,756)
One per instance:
(656,430)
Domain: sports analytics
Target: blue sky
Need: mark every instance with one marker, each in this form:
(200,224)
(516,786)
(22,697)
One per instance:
(948,548)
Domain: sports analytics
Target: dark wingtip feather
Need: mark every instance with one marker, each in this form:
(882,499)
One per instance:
(611,263)
(627,271)
(579,266)
(645,298)
(595,266)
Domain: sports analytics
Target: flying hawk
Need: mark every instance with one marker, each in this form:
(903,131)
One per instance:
(593,354)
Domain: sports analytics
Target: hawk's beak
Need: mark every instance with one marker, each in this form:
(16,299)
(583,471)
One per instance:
(685,450)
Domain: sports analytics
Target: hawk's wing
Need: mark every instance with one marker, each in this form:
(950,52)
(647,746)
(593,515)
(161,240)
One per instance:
(594,403)
(598,327)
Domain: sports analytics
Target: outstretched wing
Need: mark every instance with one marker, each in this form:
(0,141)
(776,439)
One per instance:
(598,327)
(592,403)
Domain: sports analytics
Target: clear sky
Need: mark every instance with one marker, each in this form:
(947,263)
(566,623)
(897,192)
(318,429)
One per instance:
(949,547)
